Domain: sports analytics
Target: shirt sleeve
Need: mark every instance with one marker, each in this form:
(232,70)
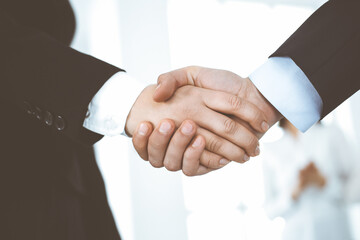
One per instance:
(108,110)
(288,89)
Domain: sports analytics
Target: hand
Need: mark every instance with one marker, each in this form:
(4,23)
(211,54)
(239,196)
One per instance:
(308,176)
(180,150)
(311,175)
(222,135)
(214,79)
(219,80)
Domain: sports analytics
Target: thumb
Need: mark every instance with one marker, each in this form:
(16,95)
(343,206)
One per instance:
(166,87)
(169,82)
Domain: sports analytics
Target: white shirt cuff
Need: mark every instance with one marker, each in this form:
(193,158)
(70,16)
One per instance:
(288,89)
(110,107)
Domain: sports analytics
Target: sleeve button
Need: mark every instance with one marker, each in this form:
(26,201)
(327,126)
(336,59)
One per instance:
(48,118)
(38,113)
(59,123)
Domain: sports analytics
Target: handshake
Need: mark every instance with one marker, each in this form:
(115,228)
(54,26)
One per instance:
(204,118)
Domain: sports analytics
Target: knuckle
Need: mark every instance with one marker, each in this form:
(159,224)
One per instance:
(162,77)
(210,163)
(186,110)
(171,166)
(230,126)
(258,116)
(214,145)
(251,142)
(188,155)
(190,169)
(255,114)
(236,103)
(189,173)
(156,146)
(139,147)
(192,68)
(237,155)
(156,164)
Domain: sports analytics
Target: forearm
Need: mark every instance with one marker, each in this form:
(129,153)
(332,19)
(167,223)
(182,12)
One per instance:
(144,109)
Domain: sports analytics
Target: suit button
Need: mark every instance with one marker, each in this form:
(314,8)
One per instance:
(48,118)
(59,123)
(28,108)
(38,113)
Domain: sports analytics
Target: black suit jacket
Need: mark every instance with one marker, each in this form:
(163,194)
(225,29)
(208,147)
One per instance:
(327,48)
(50,184)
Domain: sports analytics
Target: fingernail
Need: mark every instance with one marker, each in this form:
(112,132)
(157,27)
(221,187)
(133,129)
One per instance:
(223,161)
(246,158)
(197,142)
(187,128)
(257,151)
(265,126)
(165,127)
(143,129)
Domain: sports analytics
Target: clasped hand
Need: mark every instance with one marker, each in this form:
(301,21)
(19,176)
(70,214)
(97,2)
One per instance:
(204,119)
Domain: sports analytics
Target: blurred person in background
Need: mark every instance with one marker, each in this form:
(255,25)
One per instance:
(306,177)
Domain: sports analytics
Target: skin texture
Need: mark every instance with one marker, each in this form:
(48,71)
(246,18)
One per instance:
(183,151)
(223,136)
(218,80)
(169,84)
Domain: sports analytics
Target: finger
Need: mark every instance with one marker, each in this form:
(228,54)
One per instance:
(247,125)
(241,108)
(158,142)
(207,161)
(192,155)
(212,160)
(141,137)
(169,82)
(178,144)
(203,170)
(223,150)
(227,128)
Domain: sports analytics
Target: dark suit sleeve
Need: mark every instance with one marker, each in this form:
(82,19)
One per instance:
(37,69)
(327,48)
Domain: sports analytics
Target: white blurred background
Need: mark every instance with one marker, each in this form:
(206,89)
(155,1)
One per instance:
(148,38)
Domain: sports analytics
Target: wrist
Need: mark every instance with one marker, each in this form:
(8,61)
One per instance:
(139,110)
(286,86)
(255,96)
(110,106)
(144,109)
